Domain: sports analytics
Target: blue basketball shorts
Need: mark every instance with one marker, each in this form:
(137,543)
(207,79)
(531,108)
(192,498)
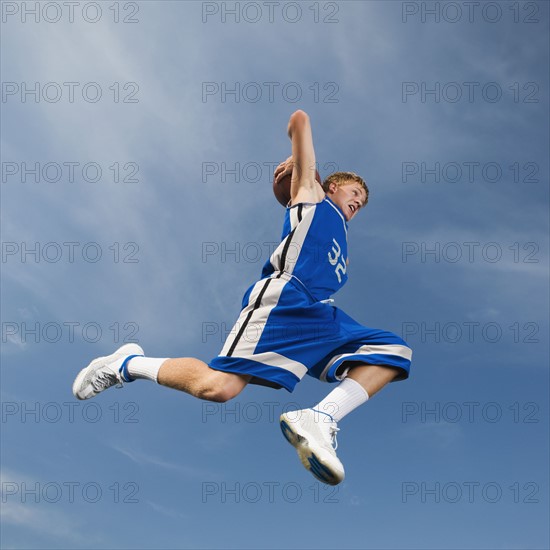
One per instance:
(282,334)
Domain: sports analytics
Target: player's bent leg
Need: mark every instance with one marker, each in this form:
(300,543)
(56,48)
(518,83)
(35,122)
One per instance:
(185,374)
(196,378)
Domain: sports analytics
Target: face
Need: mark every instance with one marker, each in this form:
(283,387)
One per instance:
(349,197)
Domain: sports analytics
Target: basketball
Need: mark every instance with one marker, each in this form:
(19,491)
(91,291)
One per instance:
(281,190)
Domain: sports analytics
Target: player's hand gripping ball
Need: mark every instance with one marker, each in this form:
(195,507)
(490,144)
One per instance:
(282,178)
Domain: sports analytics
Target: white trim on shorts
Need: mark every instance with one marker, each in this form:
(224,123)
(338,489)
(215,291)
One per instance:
(385,349)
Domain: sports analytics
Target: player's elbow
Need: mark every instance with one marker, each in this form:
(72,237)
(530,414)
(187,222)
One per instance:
(299,116)
(298,120)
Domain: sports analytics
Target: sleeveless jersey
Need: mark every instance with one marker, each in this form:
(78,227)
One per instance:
(313,248)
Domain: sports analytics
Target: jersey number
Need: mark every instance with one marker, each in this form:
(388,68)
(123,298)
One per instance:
(333,259)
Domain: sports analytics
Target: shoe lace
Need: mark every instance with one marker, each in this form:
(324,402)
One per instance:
(106,379)
(332,429)
(332,433)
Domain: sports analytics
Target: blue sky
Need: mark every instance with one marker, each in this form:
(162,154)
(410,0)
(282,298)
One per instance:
(455,457)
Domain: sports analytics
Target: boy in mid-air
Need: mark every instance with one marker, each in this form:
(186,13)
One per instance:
(288,327)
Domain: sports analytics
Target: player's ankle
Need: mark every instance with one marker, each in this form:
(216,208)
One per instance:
(138,366)
(346,397)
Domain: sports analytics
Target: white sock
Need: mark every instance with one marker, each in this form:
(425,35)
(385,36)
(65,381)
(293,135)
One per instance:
(346,397)
(144,367)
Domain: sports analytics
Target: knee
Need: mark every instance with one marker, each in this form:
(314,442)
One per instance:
(217,395)
(219,388)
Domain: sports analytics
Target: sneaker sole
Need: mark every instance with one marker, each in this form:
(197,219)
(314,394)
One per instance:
(307,457)
(126,349)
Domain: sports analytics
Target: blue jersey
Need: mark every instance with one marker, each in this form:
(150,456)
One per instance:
(286,329)
(313,248)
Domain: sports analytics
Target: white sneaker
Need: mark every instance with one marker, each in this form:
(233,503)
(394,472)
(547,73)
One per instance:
(103,372)
(313,434)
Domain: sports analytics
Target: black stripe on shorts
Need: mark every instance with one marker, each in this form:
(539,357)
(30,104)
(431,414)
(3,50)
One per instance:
(246,321)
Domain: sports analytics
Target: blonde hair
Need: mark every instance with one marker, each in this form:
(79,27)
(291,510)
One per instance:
(346,178)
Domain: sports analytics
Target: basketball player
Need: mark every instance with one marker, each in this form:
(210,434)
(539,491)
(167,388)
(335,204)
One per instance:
(288,327)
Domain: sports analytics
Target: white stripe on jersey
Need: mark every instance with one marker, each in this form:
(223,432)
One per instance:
(298,233)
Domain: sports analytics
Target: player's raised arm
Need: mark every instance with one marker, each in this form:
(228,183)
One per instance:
(304,187)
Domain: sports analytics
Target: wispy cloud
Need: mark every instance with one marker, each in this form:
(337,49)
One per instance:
(39,518)
(142,458)
(168,512)
(45,522)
